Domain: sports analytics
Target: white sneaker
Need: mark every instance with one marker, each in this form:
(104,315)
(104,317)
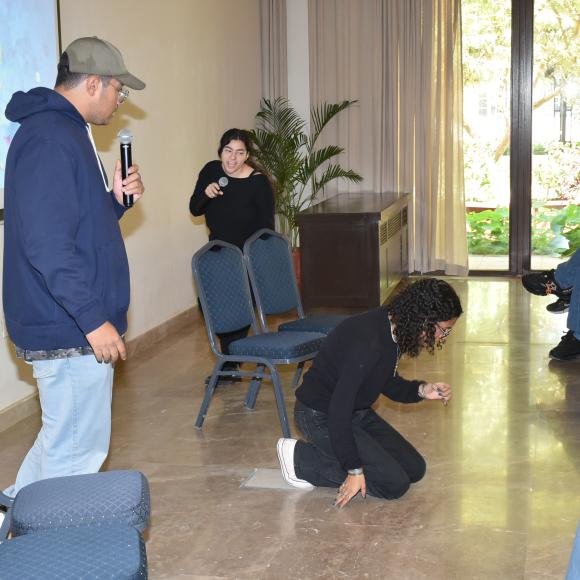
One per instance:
(285,449)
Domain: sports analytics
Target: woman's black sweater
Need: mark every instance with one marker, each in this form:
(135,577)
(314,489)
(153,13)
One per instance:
(357,362)
(246,206)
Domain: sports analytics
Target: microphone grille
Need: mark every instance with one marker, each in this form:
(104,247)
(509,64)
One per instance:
(223,181)
(125,136)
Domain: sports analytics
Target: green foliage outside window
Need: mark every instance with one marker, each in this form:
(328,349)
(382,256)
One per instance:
(488,232)
(568,224)
(553,232)
(555,180)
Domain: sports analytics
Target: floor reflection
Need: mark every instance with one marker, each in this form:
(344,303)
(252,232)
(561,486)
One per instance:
(500,498)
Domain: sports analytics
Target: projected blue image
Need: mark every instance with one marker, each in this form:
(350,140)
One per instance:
(28,56)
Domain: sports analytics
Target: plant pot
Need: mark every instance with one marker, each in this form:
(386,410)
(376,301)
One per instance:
(297,266)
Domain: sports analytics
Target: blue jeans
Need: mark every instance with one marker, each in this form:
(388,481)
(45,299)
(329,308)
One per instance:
(75,398)
(573,572)
(567,275)
(390,462)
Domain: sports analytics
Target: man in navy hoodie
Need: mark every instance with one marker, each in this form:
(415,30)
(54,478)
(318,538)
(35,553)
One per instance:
(66,275)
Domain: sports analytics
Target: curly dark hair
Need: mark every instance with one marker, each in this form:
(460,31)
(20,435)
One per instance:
(417,308)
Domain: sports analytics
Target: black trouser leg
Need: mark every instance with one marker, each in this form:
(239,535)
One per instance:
(314,459)
(390,462)
(225,340)
(228,337)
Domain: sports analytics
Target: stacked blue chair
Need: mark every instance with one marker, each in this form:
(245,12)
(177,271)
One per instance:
(81,526)
(224,292)
(95,499)
(89,553)
(268,258)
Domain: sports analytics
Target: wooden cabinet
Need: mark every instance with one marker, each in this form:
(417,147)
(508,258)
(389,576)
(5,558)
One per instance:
(354,249)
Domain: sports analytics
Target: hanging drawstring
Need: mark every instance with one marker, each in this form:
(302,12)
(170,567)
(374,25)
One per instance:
(98,158)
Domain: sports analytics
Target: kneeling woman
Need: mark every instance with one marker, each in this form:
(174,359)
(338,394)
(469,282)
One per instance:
(347,445)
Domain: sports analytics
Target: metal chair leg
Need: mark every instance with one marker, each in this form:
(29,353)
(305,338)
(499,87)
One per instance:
(280,402)
(209,391)
(297,375)
(254,388)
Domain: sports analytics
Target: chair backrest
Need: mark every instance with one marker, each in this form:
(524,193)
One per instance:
(224,292)
(268,257)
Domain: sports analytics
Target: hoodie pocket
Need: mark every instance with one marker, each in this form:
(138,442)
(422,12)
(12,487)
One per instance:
(113,277)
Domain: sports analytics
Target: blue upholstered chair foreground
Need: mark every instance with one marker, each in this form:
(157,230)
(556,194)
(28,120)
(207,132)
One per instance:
(106,552)
(224,292)
(268,257)
(95,499)
(80,526)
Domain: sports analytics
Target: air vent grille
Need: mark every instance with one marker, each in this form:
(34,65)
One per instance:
(391,227)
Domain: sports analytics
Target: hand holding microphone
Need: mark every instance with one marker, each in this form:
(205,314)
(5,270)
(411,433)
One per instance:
(127,184)
(214,189)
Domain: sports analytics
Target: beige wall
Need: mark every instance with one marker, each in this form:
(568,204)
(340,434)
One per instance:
(16,381)
(201,62)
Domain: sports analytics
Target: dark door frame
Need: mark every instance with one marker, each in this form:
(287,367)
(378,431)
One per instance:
(520,208)
(521,136)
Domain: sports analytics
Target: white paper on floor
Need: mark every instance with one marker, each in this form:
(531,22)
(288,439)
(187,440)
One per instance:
(268,479)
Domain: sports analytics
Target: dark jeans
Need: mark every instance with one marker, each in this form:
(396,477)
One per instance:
(390,462)
(227,338)
(568,275)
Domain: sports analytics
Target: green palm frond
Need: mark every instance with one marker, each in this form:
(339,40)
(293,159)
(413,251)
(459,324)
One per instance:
(316,159)
(331,173)
(285,151)
(322,115)
(278,117)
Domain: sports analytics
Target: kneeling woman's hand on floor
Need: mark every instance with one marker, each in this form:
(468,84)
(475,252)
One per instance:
(349,488)
(435,391)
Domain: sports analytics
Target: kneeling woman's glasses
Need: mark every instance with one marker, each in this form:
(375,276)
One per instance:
(445,332)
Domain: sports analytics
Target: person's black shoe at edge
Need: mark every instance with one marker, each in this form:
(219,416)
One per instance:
(568,349)
(561,306)
(544,284)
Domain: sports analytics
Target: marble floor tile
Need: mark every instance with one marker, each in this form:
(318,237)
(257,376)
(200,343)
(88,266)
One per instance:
(499,500)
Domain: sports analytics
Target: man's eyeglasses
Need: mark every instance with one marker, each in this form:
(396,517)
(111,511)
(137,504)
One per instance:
(122,95)
(445,332)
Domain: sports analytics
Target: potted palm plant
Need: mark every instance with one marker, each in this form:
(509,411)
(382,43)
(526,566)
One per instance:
(300,171)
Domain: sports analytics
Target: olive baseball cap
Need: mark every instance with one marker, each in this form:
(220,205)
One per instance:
(94,56)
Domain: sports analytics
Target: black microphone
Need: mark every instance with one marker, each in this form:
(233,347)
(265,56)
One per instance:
(125,137)
(223,181)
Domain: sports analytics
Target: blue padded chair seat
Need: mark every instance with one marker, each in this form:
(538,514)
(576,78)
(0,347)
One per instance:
(89,553)
(323,323)
(95,499)
(278,345)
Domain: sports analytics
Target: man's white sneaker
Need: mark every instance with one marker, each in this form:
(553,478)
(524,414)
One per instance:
(285,449)
(2,517)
